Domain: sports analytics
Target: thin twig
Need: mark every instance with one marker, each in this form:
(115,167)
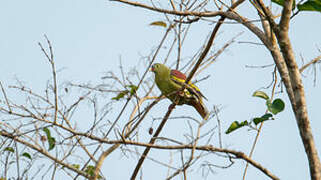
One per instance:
(124,107)
(54,75)
(6,98)
(313,61)
(260,128)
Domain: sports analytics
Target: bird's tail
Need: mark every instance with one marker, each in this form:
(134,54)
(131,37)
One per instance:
(201,109)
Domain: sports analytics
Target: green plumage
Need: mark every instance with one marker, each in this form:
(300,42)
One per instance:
(170,83)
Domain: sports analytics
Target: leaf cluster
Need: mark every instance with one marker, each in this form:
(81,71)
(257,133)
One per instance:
(11,150)
(130,91)
(309,5)
(273,108)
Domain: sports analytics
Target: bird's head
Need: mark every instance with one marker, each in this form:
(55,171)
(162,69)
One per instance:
(158,68)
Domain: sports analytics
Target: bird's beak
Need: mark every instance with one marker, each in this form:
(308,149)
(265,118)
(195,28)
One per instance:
(151,69)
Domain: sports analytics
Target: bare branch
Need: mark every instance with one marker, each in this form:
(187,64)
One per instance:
(43,152)
(173,12)
(152,141)
(6,98)
(54,74)
(210,148)
(313,61)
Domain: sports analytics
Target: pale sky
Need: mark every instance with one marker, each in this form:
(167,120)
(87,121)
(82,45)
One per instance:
(89,37)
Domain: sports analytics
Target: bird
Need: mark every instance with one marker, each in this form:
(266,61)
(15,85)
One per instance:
(170,83)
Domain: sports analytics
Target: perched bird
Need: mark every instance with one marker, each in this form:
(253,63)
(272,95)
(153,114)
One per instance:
(170,83)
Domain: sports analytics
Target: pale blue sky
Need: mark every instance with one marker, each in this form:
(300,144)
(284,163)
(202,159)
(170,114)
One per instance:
(89,37)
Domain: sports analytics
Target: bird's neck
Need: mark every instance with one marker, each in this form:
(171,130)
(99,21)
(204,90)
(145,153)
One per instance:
(164,75)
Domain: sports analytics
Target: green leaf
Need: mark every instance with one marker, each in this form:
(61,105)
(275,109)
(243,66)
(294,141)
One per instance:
(90,170)
(120,95)
(10,149)
(261,94)
(77,166)
(51,140)
(277,106)
(133,89)
(281,3)
(235,125)
(52,143)
(158,23)
(310,5)
(27,155)
(265,117)
(268,104)
(47,131)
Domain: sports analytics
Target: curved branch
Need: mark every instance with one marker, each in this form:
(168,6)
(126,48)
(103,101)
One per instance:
(173,12)
(43,152)
(209,148)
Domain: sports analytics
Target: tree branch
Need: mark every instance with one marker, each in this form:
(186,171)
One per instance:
(173,12)
(43,152)
(313,61)
(298,104)
(152,141)
(209,148)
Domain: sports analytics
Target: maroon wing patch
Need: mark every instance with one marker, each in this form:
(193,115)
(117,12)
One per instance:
(178,74)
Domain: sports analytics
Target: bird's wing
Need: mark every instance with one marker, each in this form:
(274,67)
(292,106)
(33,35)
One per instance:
(179,78)
(178,74)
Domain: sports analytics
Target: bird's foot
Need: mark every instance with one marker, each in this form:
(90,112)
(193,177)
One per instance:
(180,93)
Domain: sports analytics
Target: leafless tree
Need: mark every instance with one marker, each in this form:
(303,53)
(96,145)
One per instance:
(41,131)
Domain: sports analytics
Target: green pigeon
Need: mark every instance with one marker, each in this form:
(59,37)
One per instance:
(170,83)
